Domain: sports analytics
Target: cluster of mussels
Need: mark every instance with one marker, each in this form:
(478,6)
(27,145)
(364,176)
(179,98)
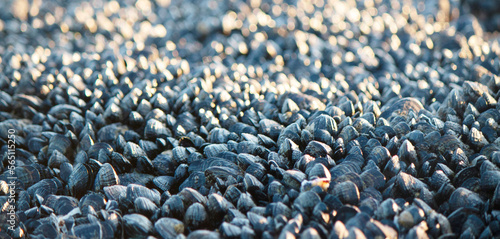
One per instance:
(249,119)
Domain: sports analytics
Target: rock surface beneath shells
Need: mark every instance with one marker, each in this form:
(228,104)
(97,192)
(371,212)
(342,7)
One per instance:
(249,119)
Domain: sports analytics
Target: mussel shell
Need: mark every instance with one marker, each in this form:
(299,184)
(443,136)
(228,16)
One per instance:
(94,230)
(60,143)
(196,216)
(137,225)
(169,227)
(62,205)
(462,197)
(94,200)
(402,107)
(80,180)
(106,176)
(408,185)
(173,207)
(373,178)
(115,192)
(347,192)
(293,179)
(155,129)
(307,201)
(203,234)
(144,206)
(135,190)
(195,180)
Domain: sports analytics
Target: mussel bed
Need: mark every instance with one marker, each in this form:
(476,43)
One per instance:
(249,119)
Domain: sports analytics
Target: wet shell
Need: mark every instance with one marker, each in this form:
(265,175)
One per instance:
(217,205)
(115,192)
(196,216)
(169,227)
(373,178)
(293,179)
(408,185)
(462,197)
(62,205)
(137,225)
(221,172)
(438,179)
(173,207)
(270,128)
(103,230)
(135,119)
(323,122)
(56,159)
(229,230)
(408,154)
(318,171)
(92,202)
(135,190)
(106,176)
(80,180)
(245,203)
(164,183)
(190,196)
(44,188)
(348,133)
(411,216)
(347,192)
(214,149)
(349,177)
(195,180)
(275,209)
(252,184)
(203,234)
(495,200)
(318,149)
(60,143)
(144,206)
(393,167)
(402,107)
(307,201)
(218,135)
(135,178)
(132,152)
